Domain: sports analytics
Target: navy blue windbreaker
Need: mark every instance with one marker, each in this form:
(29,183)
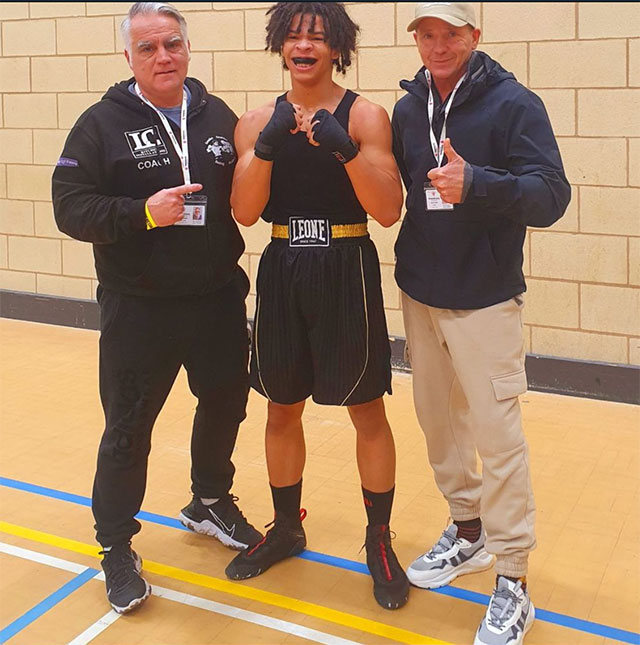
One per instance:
(471,257)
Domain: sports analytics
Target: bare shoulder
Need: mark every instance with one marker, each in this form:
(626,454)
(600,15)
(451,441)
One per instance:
(367,119)
(257,118)
(366,110)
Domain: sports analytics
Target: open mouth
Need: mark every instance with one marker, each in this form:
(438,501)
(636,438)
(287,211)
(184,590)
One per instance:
(304,63)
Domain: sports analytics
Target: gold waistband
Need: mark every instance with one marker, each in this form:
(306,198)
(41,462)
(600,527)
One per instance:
(281,231)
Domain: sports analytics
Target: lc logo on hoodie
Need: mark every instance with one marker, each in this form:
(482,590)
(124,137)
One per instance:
(146,143)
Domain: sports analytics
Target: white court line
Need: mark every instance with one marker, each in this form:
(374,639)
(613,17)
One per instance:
(175,596)
(26,554)
(96,629)
(34,556)
(252,617)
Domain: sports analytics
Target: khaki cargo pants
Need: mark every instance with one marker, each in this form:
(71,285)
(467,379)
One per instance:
(468,370)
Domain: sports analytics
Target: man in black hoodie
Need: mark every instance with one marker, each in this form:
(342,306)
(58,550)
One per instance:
(145,176)
(480,163)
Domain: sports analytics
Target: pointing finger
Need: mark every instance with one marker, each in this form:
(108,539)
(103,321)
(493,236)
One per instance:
(186,189)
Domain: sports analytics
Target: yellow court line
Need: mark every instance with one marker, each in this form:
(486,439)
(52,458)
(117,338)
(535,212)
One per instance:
(235,589)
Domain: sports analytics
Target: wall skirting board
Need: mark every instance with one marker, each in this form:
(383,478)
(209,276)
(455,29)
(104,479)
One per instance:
(606,381)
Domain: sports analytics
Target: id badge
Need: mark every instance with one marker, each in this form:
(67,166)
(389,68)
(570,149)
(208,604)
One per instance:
(195,211)
(433,200)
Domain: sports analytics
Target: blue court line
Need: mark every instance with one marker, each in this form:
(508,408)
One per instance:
(86,501)
(42,607)
(551,617)
(461,594)
(334,561)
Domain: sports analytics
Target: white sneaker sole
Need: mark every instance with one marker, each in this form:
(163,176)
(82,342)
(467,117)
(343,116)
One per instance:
(209,528)
(479,562)
(527,626)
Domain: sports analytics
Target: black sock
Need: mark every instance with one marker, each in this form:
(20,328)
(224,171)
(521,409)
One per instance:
(286,500)
(522,579)
(469,529)
(378,506)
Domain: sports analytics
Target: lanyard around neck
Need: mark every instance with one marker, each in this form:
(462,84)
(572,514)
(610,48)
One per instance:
(182,152)
(438,147)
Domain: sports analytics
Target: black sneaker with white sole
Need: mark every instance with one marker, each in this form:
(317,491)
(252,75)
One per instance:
(222,520)
(126,588)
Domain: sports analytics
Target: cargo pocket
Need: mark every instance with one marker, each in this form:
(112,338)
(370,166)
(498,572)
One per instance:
(508,386)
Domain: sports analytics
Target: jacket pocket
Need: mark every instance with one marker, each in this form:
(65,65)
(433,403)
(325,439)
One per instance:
(508,386)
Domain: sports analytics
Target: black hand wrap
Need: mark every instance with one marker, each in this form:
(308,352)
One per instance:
(276,131)
(330,134)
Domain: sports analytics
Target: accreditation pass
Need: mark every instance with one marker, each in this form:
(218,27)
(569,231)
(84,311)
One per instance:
(433,200)
(195,211)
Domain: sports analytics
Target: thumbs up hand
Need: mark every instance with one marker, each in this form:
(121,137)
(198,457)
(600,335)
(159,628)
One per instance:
(449,180)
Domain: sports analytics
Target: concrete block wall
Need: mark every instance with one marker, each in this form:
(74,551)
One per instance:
(582,58)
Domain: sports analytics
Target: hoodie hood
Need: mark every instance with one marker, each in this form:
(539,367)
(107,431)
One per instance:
(482,72)
(120,94)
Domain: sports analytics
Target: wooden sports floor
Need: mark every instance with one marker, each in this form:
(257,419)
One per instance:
(584,576)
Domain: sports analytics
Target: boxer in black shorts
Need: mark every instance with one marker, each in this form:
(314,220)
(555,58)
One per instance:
(314,163)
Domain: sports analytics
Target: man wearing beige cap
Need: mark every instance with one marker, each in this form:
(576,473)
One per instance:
(480,163)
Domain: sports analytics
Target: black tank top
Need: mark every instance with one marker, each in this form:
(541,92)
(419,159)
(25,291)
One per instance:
(309,181)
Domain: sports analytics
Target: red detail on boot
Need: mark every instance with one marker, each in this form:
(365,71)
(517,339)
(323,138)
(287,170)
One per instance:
(368,503)
(383,555)
(253,549)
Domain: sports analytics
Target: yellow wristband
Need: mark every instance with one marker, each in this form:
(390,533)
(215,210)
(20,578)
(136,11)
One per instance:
(150,222)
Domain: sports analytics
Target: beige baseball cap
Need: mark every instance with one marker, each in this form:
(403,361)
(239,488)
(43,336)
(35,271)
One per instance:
(457,14)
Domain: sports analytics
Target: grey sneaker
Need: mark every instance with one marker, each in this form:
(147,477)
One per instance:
(449,558)
(509,617)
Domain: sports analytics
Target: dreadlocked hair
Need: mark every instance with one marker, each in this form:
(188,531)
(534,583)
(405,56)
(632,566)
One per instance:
(340,31)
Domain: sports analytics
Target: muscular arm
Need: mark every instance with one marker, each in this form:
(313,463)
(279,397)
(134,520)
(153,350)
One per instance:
(252,177)
(373,172)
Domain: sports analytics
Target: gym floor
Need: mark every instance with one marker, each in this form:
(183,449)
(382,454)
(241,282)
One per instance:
(584,576)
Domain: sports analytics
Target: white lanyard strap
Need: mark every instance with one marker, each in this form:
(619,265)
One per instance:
(182,152)
(438,147)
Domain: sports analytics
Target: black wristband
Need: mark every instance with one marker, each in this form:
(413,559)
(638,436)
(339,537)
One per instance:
(329,134)
(346,152)
(263,151)
(276,131)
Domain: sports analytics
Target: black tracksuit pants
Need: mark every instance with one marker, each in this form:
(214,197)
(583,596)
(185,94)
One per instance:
(143,344)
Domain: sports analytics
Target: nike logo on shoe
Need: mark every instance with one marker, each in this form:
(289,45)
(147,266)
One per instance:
(222,525)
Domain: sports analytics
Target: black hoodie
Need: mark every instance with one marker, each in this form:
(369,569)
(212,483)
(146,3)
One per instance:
(471,257)
(116,156)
